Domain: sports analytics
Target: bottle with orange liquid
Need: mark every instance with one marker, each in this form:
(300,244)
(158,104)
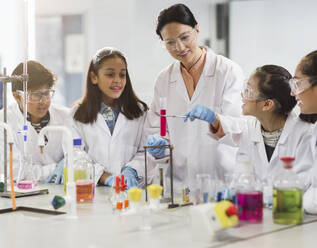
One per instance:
(84,174)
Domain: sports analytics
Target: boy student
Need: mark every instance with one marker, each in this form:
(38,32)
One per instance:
(48,165)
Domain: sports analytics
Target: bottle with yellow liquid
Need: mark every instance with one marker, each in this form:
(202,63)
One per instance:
(287,196)
(83,174)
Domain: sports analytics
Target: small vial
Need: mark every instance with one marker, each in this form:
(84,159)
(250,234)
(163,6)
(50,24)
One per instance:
(186,197)
(124,195)
(117,198)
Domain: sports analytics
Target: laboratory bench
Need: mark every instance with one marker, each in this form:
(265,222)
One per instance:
(97,226)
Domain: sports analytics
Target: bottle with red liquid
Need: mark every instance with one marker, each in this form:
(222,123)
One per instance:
(249,195)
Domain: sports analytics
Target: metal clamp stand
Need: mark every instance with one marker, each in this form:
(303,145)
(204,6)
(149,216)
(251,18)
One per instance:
(4,79)
(170,147)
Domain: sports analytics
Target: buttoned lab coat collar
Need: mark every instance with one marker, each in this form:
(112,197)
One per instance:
(120,123)
(209,67)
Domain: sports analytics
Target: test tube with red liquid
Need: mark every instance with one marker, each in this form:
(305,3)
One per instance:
(163,116)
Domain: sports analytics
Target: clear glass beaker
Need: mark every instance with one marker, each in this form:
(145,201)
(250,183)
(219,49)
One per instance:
(27,174)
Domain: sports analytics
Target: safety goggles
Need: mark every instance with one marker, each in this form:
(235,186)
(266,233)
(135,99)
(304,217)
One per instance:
(299,85)
(185,38)
(37,96)
(250,94)
(104,52)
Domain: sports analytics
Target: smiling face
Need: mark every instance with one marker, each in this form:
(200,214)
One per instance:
(181,42)
(306,99)
(110,79)
(37,110)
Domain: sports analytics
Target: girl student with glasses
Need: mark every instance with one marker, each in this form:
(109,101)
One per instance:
(198,76)
(40,113)
(109,119)
(305,91)
(270,129)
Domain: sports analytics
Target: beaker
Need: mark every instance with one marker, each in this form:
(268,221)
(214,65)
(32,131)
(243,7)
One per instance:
(203,190)
(26,176)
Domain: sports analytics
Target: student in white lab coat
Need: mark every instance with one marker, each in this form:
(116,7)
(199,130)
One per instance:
(41,113)
(304,89)
(275,131)
(110,119)
(198,76)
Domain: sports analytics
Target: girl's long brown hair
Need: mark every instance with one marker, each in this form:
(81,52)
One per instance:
(89,106)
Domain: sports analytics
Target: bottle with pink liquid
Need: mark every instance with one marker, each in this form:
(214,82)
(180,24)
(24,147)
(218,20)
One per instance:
(249,194)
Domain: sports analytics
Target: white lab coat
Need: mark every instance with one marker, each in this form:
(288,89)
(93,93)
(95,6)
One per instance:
(294,141)
(110,153)
(310,197)
(53,152)
(194,151)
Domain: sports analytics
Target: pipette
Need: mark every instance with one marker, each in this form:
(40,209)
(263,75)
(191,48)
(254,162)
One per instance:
(175,116)
(25,72)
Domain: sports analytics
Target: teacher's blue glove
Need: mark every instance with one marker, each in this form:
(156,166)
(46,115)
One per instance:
(201,112)
(58,174)
(155,140)
(130,177)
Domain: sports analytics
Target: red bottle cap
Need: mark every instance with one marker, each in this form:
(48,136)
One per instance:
(288,162)
(123,185)
(232,210)
(287,159)
(117,186)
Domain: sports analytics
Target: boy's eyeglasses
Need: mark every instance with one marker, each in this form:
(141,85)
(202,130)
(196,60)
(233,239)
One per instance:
(37,96)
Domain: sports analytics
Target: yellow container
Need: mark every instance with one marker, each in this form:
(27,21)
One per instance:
(155,190)
(135,194)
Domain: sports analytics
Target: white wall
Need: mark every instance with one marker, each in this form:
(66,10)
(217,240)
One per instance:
(12,35)
(130,26)
(277,32)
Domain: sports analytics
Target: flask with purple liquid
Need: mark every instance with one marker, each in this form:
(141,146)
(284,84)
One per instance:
(249,194)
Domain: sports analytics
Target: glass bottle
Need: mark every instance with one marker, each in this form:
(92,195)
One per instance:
(249,193)
(287,196)
(83,174)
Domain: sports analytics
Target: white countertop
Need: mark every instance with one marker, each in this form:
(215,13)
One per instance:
(96,226)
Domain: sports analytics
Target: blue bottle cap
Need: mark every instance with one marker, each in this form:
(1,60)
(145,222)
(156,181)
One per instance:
(77,142)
